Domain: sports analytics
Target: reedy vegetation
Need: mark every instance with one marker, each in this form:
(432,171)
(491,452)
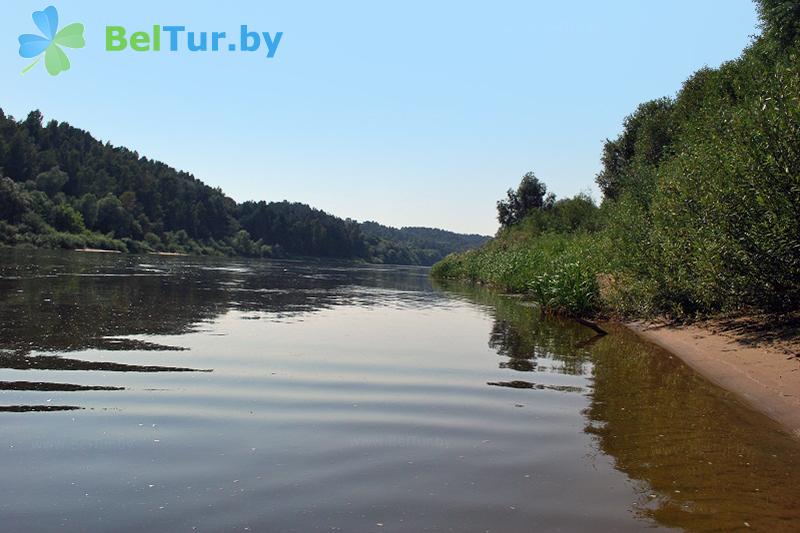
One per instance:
(701,201)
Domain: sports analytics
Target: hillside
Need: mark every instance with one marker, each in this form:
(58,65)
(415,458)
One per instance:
(65,189)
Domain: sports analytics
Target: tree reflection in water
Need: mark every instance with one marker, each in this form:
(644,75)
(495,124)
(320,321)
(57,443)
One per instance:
(57,302)
(699,459)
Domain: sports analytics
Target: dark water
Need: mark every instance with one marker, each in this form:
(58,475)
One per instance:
(179,394)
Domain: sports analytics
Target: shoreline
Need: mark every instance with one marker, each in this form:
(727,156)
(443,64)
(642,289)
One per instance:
(97,251)
(763,376)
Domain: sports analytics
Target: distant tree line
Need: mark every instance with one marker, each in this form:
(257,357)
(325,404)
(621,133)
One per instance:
(416,245)
(62,188)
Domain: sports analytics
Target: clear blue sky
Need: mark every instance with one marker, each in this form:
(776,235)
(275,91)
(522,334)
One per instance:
(408,113)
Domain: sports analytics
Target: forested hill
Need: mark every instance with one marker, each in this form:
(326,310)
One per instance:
(62,188)
(417,246)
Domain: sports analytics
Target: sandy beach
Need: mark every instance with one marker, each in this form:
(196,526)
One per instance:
(764,375)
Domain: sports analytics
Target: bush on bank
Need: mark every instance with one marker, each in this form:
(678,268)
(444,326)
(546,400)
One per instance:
(701,202)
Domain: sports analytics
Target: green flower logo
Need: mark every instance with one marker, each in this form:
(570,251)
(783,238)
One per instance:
(49,43)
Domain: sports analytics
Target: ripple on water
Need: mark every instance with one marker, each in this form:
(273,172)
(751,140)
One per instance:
(362,399)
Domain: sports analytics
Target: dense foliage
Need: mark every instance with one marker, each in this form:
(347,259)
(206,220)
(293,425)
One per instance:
(701,209)
(65,189)
(301,230)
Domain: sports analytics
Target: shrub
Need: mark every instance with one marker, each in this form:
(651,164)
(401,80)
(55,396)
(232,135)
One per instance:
(66,219)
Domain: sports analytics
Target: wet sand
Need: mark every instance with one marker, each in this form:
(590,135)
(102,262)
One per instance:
(766,377)
(97,251)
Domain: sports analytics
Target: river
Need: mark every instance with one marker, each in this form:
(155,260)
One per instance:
(149,393)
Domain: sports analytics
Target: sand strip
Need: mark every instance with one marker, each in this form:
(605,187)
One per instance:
(763,376)
(97,251)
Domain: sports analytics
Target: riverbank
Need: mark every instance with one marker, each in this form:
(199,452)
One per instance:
(764,373)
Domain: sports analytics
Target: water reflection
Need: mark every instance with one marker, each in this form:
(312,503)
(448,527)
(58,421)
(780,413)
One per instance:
(86,301)
(56,302)
(37,408)
(705,461)
(699,459)
(518,384)
(52,362)
(343,397)
(51,387)
(524,339)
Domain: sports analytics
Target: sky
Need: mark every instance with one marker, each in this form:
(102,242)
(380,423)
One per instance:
(412,113)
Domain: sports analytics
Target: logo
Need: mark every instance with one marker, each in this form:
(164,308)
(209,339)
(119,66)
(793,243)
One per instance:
(157,38)
(50,42)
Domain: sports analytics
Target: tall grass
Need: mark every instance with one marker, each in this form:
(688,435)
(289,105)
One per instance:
(559,271)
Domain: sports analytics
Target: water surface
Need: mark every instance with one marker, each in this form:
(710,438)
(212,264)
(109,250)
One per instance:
(180,394)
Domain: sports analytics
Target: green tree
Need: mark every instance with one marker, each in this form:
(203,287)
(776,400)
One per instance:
(87,205)
(780,21)
(65,218)
(52,181)
(531,194)
(12,201)
(112,217)
(21,162)
(152,240)
(128,201)
(244,245)
(645,135)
